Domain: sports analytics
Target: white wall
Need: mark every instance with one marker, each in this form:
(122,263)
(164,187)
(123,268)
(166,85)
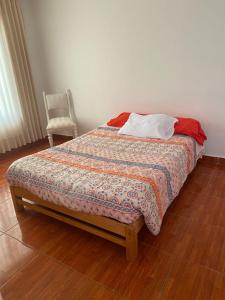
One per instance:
(132,55)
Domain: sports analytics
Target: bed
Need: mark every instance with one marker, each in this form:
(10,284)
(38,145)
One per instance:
(106,183)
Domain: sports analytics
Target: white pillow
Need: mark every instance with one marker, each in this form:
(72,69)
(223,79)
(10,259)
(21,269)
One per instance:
(150,126)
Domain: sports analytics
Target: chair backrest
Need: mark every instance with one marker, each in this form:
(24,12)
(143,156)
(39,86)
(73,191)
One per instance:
(57,105)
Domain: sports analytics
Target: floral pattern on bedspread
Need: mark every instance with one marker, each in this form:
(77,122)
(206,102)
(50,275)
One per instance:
(104,173)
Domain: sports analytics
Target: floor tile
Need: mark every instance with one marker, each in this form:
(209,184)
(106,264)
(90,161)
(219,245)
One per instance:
(212,213)
(42,233)
(100,260)
(13,255)
(218,184)
(194,282)
(76,248)
(172,230)
(141,279)
(187,203)
(213,247)
(4,193)
(204,246)
(8,216)
(45,278)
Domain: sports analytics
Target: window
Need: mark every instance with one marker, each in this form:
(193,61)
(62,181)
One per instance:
(10,110)
(19,119)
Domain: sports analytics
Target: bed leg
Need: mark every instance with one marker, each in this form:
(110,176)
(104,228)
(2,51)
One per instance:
(131,244)
(17,206)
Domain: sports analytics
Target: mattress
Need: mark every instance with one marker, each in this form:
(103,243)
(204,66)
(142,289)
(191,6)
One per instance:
(104,173)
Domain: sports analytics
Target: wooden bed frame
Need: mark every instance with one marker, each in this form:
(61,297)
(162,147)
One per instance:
(125,235)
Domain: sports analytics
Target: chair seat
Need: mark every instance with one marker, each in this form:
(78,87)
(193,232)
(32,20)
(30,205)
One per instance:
(60,123)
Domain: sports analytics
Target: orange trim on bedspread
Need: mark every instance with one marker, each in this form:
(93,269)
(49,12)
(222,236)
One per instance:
(146,140)
(131,176)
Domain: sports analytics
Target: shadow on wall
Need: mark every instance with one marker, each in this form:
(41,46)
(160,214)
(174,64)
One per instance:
(73,111)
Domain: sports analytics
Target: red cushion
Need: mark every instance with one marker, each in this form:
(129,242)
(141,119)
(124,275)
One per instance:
(190,127)
(187,126)
(120,120)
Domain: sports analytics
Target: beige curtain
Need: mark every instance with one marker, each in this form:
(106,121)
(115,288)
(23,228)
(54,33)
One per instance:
(19,119)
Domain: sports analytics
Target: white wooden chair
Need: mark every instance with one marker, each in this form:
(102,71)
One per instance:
(61,118)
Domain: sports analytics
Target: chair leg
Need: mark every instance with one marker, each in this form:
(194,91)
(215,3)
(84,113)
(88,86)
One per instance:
(75,133)
(50,139)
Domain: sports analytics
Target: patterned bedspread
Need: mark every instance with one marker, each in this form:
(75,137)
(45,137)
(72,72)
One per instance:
(104,173)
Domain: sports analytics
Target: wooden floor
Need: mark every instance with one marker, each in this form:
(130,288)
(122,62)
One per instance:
(41,258)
